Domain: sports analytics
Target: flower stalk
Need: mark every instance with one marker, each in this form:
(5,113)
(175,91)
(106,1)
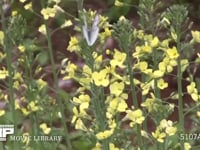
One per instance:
(8,50)
(180,92)
(133,92)
(98,99)
(60,103)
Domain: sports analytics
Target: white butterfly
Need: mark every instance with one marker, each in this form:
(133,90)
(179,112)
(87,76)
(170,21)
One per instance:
(91,33)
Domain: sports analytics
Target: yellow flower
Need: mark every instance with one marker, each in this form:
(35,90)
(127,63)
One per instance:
(118,3)
(58,9)
(28,6)
(48,12)
(17,105)
(122,18)
(140,34)
(164,123)
(1,37)
(57,1)
(172,53)
(80,125)
(159,136)
(172,62)
(14,13)
(3,73)
(143,65)
(198,114)
(105,34)
(162,84)
(112,147)
(144,133)
(2,112)
(191,89)
(98,59)
(97,147)
(108,51)
(118,104)
(25,111)
(21,48)
(70,69)
(171,130)
(149,104)
(101,78)
(82,98)
(83,107)
(184,64)
(44,128)
(18,76)
(83,102)
(155,42)
(168,126)
(145,87)
(22,1)
(67,23)
(162,66)
(33,106)
(76,114)
(41,84)
(146,49)
(137,52)
(196,36)
(135,116)
(42,29)
(118,59)
(158,74)
(112,124)
(104,134)
(122,106)
(73,44)
(187,146)
(116,88)
(169,68)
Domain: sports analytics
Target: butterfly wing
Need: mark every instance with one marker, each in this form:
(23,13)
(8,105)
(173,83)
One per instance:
(91,34)
(96,21)
(95,30)
(85,33)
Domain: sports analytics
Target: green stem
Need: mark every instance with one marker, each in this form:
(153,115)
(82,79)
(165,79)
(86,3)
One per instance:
(67,139)
(180,92)
(100,114)
(80,6)
(133,92)
(31,96)
(132,85)
(157,145)
(98,99)
(145,121)
(8,50)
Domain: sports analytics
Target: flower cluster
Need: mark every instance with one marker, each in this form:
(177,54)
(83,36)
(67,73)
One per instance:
(164,129)
(106,78)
